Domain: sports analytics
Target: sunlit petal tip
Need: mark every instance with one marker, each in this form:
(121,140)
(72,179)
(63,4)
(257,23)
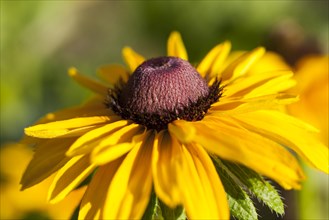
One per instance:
(72,71)
(226,46)
(176,46)
(132,58)
(87,82)
(227,43)
(259,51)
(50,116)
(243,63)
(212,63)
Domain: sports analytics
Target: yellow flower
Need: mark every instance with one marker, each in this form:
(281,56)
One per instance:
(160,125)
(16,204)
(312,74)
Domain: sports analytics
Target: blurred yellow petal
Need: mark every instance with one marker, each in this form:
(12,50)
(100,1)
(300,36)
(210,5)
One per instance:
(290,132)
(113,73)
(175,46)
(132,59)
(127,198)
(92,203)
(40,168)
(312,76)
(69,177)
(268,63)
(88,83)
(242,64)
(61,128)
(212,64)
(16,204)
(84,143)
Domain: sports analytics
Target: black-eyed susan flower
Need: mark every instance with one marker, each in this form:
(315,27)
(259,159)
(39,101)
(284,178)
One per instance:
(165,135)
(312,75)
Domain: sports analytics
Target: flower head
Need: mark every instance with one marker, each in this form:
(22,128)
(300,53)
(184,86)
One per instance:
(312,75)
(187,133)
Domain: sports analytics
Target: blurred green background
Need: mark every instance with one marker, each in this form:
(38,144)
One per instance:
(40,40)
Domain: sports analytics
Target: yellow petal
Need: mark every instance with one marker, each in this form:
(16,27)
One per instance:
(60,128)
(268,63)
(165,169)
(124,134)
(69,177)
(83,144)
(212,187)
(290,132)
(212,64)
(92,203)
(130,189)
(276,85)
(93,107)
(113,74)
(106,155)
(118,144)
(49,156)
(174,165)
(239,145)
(132,59)
(242,105)
(241,65)
(183,133)
(88,83)
(246,85)
(176,46)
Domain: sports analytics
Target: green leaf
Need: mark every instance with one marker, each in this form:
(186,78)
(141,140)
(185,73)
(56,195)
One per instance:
(157,210)
(261,188)
(152,211)
(172,214)
(241,206)
(35,215)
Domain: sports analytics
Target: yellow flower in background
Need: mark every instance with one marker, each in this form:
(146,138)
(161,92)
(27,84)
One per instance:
(16,204)
(312,74)
(163,125)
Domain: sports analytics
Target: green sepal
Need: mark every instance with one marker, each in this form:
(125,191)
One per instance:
(153,211)
(257,185)
(241,206)
(168,213)
(157,210)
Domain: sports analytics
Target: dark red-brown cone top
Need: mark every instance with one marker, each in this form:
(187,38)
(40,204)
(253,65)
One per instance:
(162,85)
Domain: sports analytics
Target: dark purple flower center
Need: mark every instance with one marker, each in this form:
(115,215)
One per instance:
(164,84)
(162,90)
